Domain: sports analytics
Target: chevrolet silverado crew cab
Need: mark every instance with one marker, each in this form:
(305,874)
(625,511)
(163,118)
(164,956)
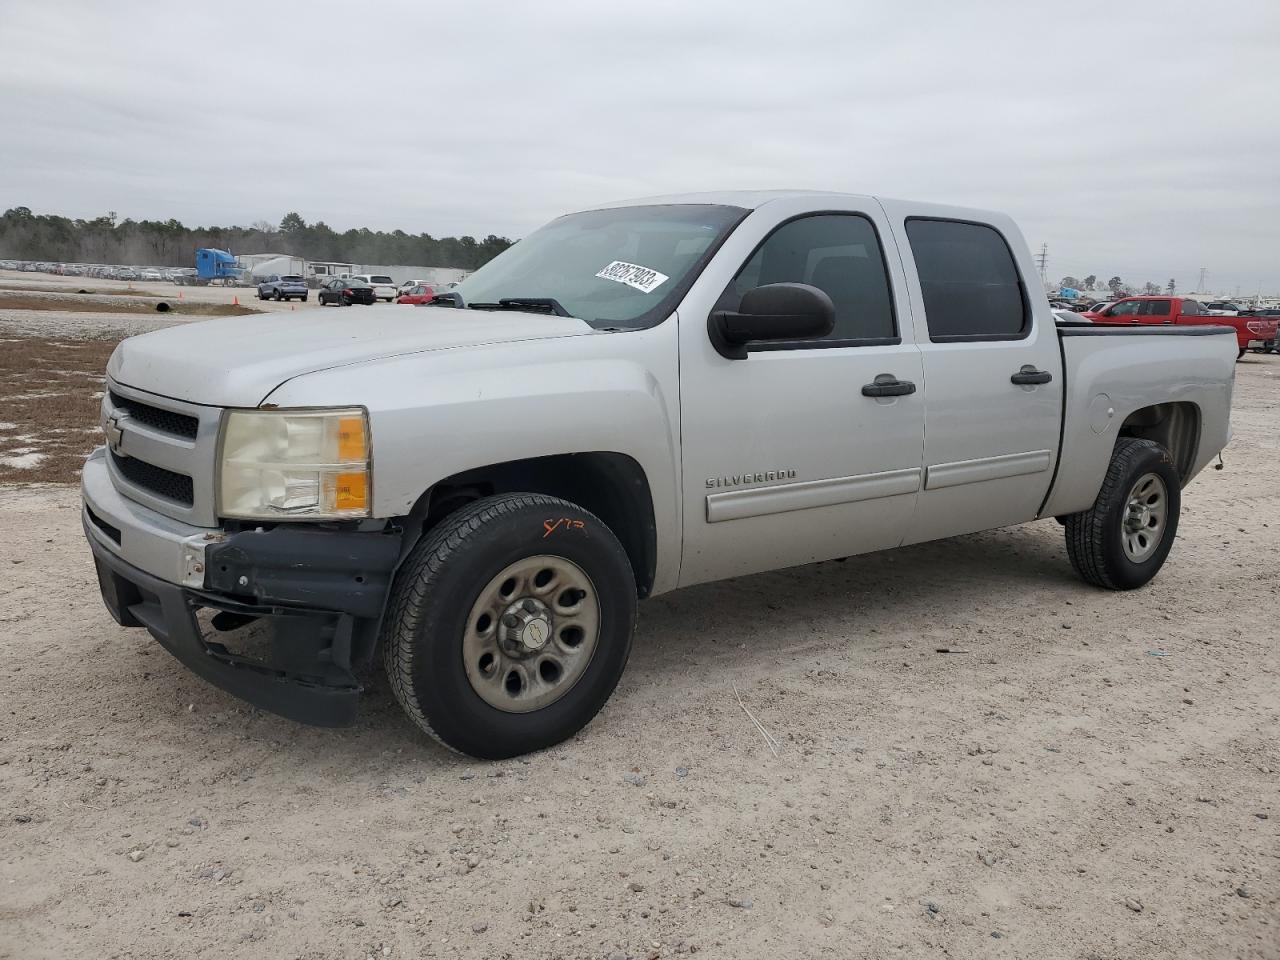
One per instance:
(632,399)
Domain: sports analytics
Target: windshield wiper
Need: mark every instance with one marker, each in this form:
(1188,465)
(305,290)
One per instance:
(549,304)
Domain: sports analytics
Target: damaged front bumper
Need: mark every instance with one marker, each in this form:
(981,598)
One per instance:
(320,591)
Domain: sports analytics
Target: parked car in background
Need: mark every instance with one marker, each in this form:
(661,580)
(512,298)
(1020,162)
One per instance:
(1184,310)
(344,291)
(151,273)
(127,273)
(384,287)
(1094,309)
(1266,313)
(404,287)
(417,295)
(1222,308)
(287,287)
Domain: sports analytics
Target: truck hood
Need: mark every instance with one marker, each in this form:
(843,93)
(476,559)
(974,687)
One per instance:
(237,362)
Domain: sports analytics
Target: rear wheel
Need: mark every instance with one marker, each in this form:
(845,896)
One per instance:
(510,624)
(1241,353)
(1121,542)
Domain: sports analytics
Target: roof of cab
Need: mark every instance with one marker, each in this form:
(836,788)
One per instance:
(747,199)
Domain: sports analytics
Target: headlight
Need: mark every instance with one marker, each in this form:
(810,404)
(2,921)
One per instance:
(285,464)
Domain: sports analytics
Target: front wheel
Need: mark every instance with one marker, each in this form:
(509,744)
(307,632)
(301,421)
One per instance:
(509,625)
(1121,542)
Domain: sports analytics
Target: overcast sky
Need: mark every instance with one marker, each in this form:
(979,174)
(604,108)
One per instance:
(1138,138)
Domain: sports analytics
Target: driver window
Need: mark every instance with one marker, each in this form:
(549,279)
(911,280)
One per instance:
(837,253)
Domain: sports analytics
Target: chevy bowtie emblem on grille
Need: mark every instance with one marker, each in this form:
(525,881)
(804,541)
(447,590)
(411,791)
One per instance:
(114,429)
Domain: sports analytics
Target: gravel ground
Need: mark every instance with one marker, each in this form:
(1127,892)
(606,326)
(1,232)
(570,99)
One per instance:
(67,323)
(1097,775)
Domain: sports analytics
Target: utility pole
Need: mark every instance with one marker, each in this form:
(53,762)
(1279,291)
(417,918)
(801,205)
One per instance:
(1200,284)
(1042,258)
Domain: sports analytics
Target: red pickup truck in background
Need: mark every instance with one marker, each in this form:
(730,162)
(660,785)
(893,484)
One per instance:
(1184,310)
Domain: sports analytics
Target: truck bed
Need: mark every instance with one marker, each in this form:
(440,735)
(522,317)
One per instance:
(1111,372)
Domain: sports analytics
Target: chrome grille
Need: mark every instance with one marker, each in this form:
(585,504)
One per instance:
(162,452)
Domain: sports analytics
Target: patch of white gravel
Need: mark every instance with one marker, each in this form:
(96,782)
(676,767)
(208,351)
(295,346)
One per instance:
(83,326)
(23,461)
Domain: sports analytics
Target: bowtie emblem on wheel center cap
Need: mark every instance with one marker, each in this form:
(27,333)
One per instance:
(535,633)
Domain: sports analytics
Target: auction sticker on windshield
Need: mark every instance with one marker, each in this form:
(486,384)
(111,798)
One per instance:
(633,275)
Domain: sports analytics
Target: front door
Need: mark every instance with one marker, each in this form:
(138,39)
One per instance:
(786,459)
(994,375)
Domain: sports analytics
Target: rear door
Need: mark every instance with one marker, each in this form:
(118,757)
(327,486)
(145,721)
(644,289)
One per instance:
(785,459)
(992,371)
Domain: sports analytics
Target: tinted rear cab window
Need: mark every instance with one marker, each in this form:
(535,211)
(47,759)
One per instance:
(970,284)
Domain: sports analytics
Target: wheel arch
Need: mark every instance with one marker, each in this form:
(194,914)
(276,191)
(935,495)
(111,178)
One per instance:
(1174,425)
(611,485)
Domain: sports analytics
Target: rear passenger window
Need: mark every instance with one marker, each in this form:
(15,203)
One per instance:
(840,255)
(1154,308)
(971,286)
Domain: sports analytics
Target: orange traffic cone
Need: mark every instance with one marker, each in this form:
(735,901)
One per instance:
(291,308)
(179,294)
(235,301)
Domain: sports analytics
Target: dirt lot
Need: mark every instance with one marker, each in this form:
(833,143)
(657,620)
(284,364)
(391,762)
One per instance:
(1096,775)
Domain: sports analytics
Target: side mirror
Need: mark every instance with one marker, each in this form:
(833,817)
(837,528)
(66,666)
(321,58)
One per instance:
(776,311)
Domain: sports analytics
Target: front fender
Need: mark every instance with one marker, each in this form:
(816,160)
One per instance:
(438,413)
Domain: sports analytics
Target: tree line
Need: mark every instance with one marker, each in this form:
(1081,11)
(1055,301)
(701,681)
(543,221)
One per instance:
(1117,287)
(168,243)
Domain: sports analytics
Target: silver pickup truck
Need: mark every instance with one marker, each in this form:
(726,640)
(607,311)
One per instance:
(632,399)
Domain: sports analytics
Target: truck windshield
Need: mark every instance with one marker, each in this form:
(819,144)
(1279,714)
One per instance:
(624,266)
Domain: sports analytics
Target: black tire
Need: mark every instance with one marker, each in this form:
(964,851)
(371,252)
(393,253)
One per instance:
(1095,537)
(431,603)
(303,298)
(1241,354)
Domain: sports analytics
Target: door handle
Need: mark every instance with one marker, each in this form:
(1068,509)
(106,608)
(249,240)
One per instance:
(1029,376)
(887,385)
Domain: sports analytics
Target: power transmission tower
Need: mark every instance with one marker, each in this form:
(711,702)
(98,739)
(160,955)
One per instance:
(1200,285)
(1042,258)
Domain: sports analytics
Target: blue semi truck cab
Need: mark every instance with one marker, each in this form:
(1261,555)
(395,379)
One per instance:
(216,265)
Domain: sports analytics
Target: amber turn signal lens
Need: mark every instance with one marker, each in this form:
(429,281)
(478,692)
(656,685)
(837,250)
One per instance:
(351,491)
(351,444)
